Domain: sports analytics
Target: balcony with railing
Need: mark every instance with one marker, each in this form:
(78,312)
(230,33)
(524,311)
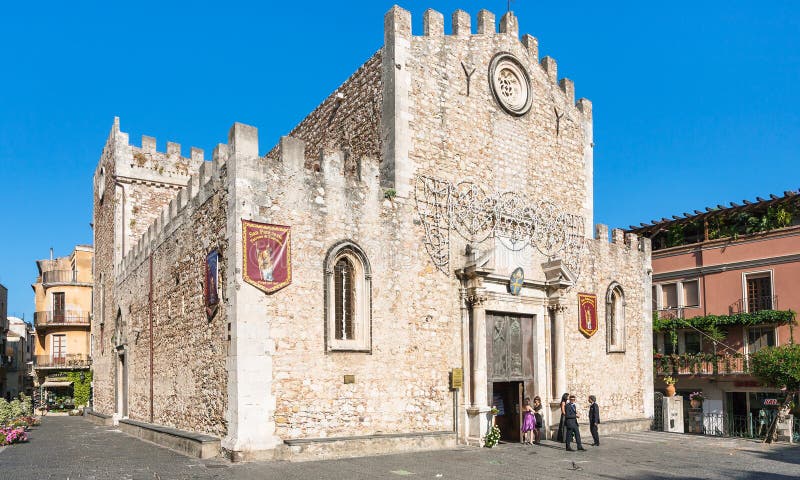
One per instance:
(75,361)
(755,304)
(57,318)
(700,364)
(50,277)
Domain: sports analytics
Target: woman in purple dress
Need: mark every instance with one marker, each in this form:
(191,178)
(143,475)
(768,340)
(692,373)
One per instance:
(528,422)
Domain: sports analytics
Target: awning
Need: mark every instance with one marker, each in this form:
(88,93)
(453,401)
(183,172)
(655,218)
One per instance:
(56,384)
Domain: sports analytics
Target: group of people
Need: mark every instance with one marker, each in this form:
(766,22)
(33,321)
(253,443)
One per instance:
(533,422)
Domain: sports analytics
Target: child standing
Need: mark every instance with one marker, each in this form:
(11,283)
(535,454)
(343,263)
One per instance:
(528,422)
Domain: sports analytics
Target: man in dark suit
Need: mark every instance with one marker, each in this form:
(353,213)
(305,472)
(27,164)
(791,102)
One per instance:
(594,419)
(571,424)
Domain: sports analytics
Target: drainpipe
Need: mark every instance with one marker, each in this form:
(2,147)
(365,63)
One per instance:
(150,307)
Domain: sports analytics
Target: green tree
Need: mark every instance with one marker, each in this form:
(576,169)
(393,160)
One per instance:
(778,367)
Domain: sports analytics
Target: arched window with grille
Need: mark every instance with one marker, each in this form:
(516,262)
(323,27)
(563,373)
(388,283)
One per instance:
(347,299)
(615,318)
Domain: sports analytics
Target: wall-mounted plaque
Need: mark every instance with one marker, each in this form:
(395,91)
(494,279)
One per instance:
(456,378)
(515,281)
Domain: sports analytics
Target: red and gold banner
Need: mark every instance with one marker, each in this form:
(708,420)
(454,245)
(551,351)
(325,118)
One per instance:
(267,255)
(587,308)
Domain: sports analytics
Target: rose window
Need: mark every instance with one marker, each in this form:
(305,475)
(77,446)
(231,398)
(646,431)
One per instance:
(510,84)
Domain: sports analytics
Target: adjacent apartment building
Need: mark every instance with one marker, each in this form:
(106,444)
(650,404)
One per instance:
(19,365)
(63,298)
(725,284)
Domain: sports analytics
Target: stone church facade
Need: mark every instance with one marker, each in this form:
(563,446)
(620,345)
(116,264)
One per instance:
(446,163)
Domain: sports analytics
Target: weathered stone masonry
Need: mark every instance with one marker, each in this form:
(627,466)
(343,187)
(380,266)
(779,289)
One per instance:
(260,374)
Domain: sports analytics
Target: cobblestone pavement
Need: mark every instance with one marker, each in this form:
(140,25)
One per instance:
(73,448)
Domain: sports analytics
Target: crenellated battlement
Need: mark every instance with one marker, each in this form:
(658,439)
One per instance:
(169,165)
(619,238)
(201,185)
(398,23)
(313,179)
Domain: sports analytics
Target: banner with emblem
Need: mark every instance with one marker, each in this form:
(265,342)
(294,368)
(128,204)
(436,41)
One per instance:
(267,251)
(587,308)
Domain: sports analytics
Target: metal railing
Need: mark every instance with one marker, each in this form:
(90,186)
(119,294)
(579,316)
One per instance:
(78,360)
(746,426)
(670,312)
(755,304)
(700,364)
(60,276)
(66,317)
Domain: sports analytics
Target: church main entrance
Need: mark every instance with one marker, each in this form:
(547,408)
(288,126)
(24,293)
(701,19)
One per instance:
(510,369)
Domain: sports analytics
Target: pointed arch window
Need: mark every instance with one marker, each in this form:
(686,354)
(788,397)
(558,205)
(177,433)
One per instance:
(348,313)
(615,318)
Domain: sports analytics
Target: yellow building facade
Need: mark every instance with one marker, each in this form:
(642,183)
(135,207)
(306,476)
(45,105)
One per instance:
(62,355)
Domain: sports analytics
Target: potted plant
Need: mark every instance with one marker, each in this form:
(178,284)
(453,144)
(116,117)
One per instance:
(670,390)
(696,399)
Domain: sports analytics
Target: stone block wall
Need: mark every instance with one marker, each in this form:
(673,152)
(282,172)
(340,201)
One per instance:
(348,120)
(459,131)
(189,350)
(171,210)
(401,386)
(621,381)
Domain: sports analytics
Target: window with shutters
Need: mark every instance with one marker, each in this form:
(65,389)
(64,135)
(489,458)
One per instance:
(347,299)
(758,291)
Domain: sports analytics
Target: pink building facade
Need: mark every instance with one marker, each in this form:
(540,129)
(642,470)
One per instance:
(741,263)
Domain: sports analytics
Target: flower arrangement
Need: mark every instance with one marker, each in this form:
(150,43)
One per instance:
(492,437)
(9,435)
(697,396)
(669,380)
(494,411)
(25,422)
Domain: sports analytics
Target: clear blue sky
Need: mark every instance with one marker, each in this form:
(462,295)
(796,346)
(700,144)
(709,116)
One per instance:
(694,105)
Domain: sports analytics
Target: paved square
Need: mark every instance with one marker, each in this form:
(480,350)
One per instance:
(73,448)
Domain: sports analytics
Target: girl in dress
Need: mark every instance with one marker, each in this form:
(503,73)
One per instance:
(537,415)
(528,422)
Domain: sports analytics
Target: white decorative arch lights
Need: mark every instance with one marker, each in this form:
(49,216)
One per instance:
(615,318)
(510,216)
(348,299)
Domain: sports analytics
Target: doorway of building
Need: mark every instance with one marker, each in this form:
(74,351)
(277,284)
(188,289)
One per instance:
(121,387)
(507,399)
(509,353)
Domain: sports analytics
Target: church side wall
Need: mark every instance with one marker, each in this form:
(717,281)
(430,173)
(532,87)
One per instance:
(400,386)
(189,349)
(621,381)
(105,231)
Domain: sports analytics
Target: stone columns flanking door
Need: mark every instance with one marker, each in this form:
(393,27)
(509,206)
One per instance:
(478,412)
